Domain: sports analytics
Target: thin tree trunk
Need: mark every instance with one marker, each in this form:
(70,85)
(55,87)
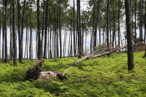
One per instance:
(3,45)
(30,49)
(74,27)
(38,31)
(119,1)
(129,35)
(11,34)
(135,16)
(140,21)
(46,24)
(50,44)
(95,28)
(60,29)
(6,58)
(14,34)
(41,39)
(114,30)
(19,33)
(145,31)
(79,30)
(21,42)
(108,21)
(99,21)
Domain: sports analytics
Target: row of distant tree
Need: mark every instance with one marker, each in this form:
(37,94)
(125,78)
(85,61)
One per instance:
(49,17)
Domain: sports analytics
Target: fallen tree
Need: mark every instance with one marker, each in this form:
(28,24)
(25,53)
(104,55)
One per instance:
(36,73)
(93,55)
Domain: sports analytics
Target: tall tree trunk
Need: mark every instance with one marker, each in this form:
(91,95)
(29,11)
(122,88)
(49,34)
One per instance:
(99,21)
(14,34)
(50,43)
(3,45)
(19,33)
(30,49)
(60,29)
(114,30)
(140,21)
(26,46)
(6,58)
(135,16)
(43,22)
(108,21)
(21,42)
(38,30)
(95,27)
(119,1)
(11,34)
(145,31)
(129,35)
(79,30)
(74,28)
(57,28)
(46,24)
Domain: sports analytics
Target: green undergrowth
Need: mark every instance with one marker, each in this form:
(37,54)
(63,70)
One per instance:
(106,76)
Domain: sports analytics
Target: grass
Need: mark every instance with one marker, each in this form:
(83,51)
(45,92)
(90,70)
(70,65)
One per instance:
(100,77)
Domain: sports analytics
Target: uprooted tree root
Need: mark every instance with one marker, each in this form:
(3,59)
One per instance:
(36,73)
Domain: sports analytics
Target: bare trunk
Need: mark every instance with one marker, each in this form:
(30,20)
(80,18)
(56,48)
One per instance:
(129,35)
(74,28)
(38,31)
(79,30)
(119,22)
(6,58)
(108,21)
(3,45)
(60,29)
(14,34)
(19,33)
(30,49)
(46,24)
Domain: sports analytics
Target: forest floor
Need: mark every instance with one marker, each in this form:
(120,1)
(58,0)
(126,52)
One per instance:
(106,76)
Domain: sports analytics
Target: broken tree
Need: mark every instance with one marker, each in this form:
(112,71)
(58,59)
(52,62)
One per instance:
(37,73)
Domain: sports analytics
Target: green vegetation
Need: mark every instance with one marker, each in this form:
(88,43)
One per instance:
(104,77)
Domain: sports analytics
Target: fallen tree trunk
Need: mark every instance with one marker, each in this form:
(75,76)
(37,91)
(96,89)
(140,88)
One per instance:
(92,56)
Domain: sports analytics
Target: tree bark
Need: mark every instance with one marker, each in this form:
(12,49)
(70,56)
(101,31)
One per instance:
(3,44)
(79,30)
(108,21)
(19,33)
(46,24)
(140,21)
(114,30)
(135,16)
(11,34)
(14,34)
(6,58)
(38,30)
(119,1)
(60,29)
(30,49)
(74,27)
(129,35)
